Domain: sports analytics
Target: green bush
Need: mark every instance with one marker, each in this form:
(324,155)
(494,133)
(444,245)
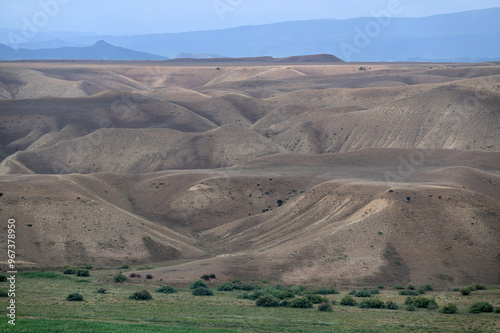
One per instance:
(325,307)
(284,294)
(364,292)
(75,297)
(142,295)
(82,272)
(166,290)
(119,278)
(449,309)
(267,301)
(422,302)
(466,291)
(3,278)
(410,287)
(411,307)
(302,303)
(481,307)
(348,300)
(243,286)
(372,303)
(427,287)
(398,287)
(421,290)
(391,305)
(125,267)
(198,284)
(227,286)
(4,293)
(316,299)
(326,291)
(480,286)
(68,270)
(409,293)
(101,291)
(149,276)
(203,292)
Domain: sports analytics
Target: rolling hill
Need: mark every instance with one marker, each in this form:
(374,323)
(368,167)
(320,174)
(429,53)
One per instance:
(296,172)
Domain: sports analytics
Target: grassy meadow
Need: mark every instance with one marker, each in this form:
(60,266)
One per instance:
(42,307)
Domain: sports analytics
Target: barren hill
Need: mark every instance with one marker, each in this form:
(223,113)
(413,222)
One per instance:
(347,173)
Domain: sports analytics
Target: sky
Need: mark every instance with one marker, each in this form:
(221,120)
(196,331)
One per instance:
(119,17)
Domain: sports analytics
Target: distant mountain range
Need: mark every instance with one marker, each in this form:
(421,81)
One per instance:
(466,36)
(98,51)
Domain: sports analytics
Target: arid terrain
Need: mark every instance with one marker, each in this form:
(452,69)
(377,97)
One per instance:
(300,172)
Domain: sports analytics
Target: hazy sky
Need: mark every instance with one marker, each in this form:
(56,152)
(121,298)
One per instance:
(159,16)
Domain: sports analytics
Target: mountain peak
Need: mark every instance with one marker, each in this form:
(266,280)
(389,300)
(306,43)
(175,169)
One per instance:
(101,43)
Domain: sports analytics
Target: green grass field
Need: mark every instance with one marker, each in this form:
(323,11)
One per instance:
(42,307)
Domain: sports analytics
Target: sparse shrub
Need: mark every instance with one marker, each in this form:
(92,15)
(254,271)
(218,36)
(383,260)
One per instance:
(372,303)
(89,267)
(283,294)
(348,300)
(198,284)
(212,276)
(302,303)
(166,290)
(421,290)
(497,310)
(243,286)
(75,297)
(205,277)
(364,293)
(422,302)
(4,293)
(465,291)
(133,275)
(68,270)
(3,278)
(227,286)
(380,287)
(326,291)
(410,287)
(101,291)
(125,267)
(316,299)
(480,287)
(119,278)
(203,292)
(398,287)
(142,295)
(325,307)
(411,307)
(409,293)
(427,287)
(391,305)
(449,309)
(149,276)
(481,307)
(353,292)
(82,272)
(267,301)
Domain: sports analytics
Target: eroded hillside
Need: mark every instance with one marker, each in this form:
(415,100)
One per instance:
(297,173)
